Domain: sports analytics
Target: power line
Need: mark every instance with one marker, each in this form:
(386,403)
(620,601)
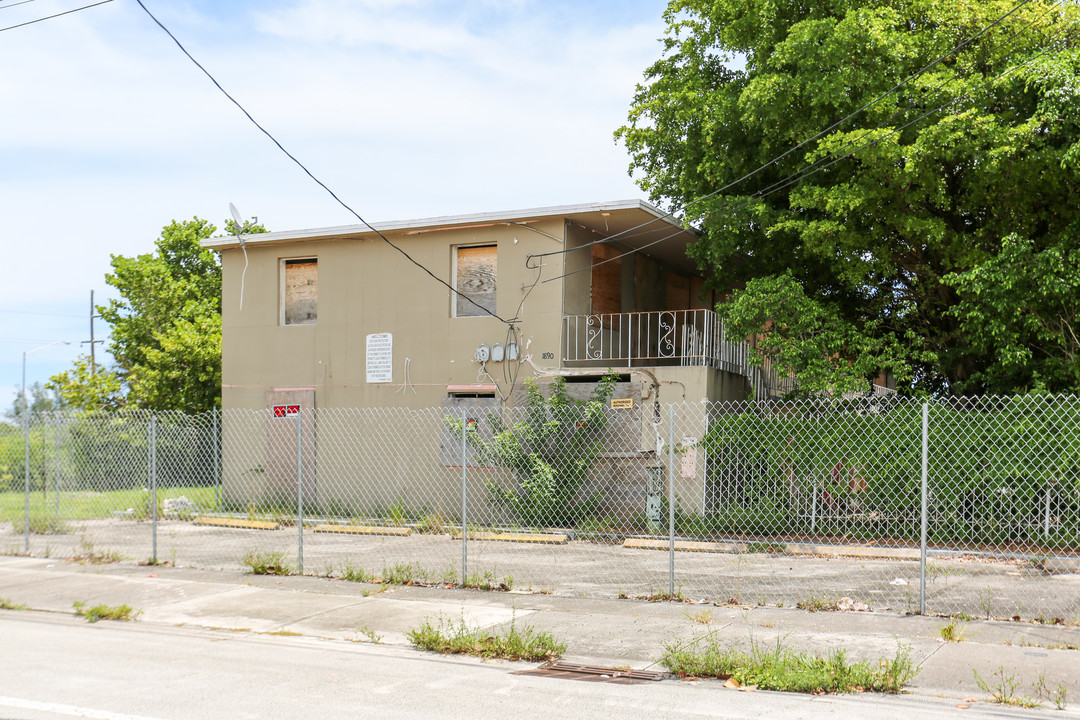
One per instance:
(14,4)
(773,161)
(838,155)
(310,174)
(50,17)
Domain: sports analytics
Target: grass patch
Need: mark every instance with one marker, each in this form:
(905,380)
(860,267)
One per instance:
(87,554)
(447,638)
(41,524)
(266,563)
(6,604)
(92,504)
(788,670)
(106,612)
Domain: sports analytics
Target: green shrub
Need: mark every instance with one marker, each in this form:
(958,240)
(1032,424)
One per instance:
(550,451)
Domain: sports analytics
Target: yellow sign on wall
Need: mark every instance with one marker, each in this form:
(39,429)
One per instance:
(622,403)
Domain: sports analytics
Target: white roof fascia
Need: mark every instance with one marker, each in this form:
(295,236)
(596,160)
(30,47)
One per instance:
(229,241)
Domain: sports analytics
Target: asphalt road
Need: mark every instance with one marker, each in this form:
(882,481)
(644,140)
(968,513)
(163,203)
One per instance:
(55,666)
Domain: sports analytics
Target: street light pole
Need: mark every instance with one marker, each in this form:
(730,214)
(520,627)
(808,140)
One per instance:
(26,441)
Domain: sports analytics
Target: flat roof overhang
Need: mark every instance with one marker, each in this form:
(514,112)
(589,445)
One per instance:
(631,224)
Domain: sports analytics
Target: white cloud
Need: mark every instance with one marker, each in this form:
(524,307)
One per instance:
(407,108)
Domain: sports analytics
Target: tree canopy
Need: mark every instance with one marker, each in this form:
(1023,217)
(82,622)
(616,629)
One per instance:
(165,328)
(895,230)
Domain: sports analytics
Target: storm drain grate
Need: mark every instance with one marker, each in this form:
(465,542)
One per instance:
(594,673)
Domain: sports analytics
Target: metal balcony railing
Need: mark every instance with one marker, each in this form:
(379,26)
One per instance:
(668,337)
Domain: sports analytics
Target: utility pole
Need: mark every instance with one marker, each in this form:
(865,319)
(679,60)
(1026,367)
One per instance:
(92,341)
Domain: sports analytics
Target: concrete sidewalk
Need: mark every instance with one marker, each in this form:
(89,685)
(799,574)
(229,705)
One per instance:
(597,631)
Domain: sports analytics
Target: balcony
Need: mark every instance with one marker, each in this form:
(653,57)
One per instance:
(692,338)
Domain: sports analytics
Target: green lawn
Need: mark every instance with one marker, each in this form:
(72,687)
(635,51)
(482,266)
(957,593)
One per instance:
(89,504)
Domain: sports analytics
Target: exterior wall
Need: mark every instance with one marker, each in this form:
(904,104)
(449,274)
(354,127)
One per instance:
(365,286)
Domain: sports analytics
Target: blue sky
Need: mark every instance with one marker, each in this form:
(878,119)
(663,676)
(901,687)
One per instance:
(406,108)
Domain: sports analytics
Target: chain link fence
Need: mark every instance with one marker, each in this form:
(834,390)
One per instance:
(959,506)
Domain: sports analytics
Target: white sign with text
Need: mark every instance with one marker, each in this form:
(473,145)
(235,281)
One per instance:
(380,358)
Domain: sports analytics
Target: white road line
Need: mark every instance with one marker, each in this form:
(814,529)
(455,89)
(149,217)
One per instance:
(72,710)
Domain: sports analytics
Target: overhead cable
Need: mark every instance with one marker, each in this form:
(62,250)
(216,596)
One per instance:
(778,158)
(311,175)
(838,155)
(50,17)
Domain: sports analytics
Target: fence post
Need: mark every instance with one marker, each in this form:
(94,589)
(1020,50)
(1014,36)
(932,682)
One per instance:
(215,447)
(56,461)
(26,476)
(300,489)
(464,495)
(152,469)
(924,506)
(671,500)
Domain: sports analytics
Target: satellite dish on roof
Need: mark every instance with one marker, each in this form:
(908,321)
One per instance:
(236,217)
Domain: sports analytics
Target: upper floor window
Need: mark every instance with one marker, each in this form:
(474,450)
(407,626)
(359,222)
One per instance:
(475,272)
(299,291)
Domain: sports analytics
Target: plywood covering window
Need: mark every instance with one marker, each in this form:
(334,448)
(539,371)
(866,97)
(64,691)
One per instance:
(606,281)
(299,291)
(475,273)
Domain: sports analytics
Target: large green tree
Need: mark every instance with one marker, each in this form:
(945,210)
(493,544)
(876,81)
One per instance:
(165,328)
(880,244)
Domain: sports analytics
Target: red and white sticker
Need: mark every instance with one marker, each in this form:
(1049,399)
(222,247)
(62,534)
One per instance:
(286,411)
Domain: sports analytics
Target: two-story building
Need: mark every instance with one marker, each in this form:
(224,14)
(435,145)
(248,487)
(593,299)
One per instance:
(339,317)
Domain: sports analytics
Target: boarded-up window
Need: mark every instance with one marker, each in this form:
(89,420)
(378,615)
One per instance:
(300,292)
(606,280)
(677,296)
(475,273)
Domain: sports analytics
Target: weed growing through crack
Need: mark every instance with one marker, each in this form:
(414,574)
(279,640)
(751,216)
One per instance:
(1002,689)
(986,603)
(106,612)
(953,632)
(87,554)
(489,581)
(405,574)
(266,563)
(449,638)
(816,604)
(355,574)
(935,571)
(1056,696)
(371,635)
(6,604)
(704,617)
(664,596)
(778,668)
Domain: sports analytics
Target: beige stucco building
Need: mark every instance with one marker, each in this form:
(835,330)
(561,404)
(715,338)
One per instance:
(339,318)
(343,316)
